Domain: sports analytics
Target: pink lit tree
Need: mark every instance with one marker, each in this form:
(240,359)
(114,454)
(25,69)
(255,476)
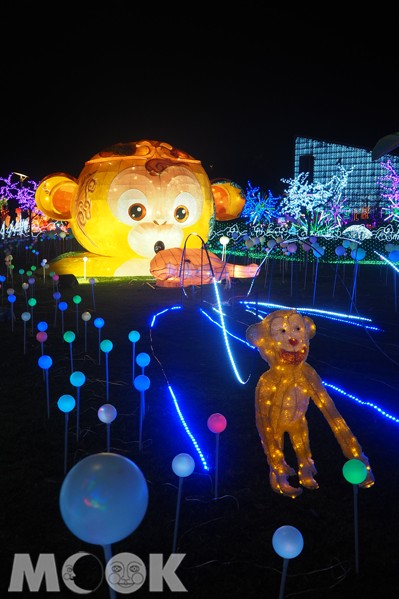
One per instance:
(389,185)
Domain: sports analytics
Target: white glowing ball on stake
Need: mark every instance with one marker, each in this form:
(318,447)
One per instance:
(107,413)
(224,240)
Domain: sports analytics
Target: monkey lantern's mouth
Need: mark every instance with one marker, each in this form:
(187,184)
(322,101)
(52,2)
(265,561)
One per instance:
(158,246)
(293,357)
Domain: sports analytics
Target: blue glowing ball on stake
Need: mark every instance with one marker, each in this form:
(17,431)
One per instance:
(103,498)
(287,541)
(77,378)
(66,403)
(106,346)
(45,362)
(183,465)
(143,359)
(134,336)
(98,322)
(141,382)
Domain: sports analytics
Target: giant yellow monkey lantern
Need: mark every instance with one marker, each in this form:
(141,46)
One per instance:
(129,202)
(282,399)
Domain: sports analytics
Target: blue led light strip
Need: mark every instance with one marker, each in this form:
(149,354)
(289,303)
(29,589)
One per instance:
(226,340)
(310,310)
(363,403)
(175,402)
(263,313)
(387,261)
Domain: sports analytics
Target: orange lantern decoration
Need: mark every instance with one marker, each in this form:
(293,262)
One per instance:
(181,268)
(282,398)
(229,199)
(130,201)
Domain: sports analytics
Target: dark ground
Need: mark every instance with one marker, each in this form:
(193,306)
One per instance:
(228,540)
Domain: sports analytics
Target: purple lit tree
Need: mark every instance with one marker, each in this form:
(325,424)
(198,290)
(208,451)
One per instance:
(20,191)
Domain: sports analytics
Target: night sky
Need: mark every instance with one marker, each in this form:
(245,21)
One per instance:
(77,84)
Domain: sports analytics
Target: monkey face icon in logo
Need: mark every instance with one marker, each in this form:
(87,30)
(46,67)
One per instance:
(125,573)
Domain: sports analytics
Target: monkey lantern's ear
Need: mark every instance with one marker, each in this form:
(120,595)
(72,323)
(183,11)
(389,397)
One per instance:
(54,196)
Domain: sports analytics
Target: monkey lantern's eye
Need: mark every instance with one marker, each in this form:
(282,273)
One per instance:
(137,211)
(181,214)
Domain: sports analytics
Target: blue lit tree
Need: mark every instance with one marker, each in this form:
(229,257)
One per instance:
(260,208)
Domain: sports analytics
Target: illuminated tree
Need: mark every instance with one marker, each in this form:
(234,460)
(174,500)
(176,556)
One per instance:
(17,192)
(389,184)
(315,208)
(259,208)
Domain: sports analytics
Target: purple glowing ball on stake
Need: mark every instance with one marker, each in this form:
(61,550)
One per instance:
(26,316)
(41,336)
(141,382)
(31,280)
(134,336)
(217,423)
(107,413)
(292,248)
(77,378)
(287,542)
(45,362)
(66,403)
(183,465)
(56,295)
(143,359)
(103,498)
(42,326)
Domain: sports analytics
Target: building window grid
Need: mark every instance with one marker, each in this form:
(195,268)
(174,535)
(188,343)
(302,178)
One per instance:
(362,189)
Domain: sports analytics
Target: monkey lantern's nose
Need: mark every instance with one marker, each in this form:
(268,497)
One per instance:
(158,246)
(293,341)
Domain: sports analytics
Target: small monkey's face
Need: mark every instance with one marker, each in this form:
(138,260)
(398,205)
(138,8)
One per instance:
(282,337)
